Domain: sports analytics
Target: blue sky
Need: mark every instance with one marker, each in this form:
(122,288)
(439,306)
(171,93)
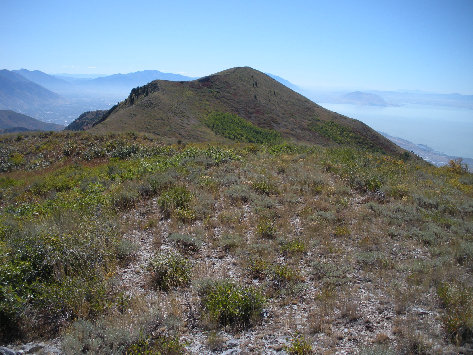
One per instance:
(414,44)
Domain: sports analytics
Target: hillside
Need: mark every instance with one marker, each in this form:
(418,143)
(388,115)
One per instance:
(11,121)
(86,120)
(22,95)
(119,243)
(179,111)
(47,81)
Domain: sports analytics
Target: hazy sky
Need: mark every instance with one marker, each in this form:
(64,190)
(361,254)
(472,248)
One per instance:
(380,44)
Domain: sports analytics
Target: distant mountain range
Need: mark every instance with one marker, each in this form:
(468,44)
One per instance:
(390,98)
(61,98)
(11,121)
(364,98)
(20,94)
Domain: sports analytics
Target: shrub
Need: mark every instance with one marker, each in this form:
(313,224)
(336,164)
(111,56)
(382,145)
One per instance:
(170,270)
(264,187)
(126,250)
(175,200)
(377,349)
(299,346)
(342,231)
(186,243)
(293,247)
(162,344)
(238,129)
(227,303)
(282,275)
(335,274)
(161,181)
(229,242)
(457,300)
(238,193)
(258,268)
(126,196)
(266,229)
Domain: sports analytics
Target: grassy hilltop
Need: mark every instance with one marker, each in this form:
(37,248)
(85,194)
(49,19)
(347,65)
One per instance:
(179,111)
(264,224)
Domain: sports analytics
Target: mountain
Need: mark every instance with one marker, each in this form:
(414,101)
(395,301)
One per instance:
(121,84)
(11,121)
(424,98)
(364,98)
(86,120)
(47,81)
(180,110)
(20,94)
(138,78)
(61,99)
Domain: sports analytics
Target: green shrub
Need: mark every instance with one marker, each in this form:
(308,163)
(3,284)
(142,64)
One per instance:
(341,134)
(457,300)
(170,270)
(299,346)
(162,344)
(238,129)
(258,268)
(266,229)
(175,200)
(55,269)
(126,250)
(227,303)
(162,180)
(293,247)
(378,349)
(373,258)
(126,196)
(283,275)
(264,187)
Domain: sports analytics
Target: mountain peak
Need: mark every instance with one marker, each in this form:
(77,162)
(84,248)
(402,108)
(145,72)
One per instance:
(179,110)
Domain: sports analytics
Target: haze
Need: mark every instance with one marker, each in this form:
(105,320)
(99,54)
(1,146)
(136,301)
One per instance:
(420,45)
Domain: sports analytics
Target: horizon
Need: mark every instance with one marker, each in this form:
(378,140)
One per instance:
(309,89)
(422,46)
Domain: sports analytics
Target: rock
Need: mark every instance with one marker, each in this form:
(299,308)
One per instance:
(6,351)
(278,347)
(34,349)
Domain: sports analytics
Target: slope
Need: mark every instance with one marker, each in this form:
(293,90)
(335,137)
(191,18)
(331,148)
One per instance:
(178,110)
(11,121)
(47,81)
(20,94)
(86,120)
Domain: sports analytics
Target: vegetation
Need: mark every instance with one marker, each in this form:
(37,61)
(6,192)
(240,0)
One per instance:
(170,270)
(240,130)
(341,134)
(229,304)
(120,243)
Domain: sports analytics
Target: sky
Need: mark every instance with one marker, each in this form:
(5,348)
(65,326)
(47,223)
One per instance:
(379,45)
